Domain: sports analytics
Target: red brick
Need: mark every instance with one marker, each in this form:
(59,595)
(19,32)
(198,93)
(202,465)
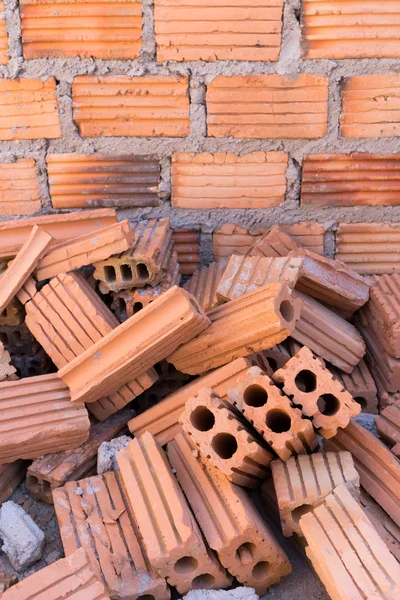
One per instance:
(204,282)
(148,106)
(187,246)
(360,384)
(267,106)
(3,38)
(11,475)
(19,188)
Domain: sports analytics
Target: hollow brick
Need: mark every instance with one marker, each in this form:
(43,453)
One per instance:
(346,551)
(134,346)
(256,321)
(388,426)
(13,314)
(169,535)
(272,414)
(232,526)
(6,368)
(31,365)
(93,514)
(309,384)
(19,187)
(302,483)
(204,283)
(272,359)
(360,384)
(225,439)
(18,340)
(11,475)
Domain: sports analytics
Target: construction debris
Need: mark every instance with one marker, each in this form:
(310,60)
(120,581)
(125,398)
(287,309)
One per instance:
(23,541)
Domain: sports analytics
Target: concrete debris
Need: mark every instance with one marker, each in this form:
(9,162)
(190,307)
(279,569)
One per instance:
(107,453)
(23,541)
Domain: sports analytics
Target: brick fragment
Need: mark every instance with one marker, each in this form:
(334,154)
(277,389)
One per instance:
(27,290)
(225,439)
(248,106)
(147,106)
(13,234)
(55,470)
(303,483)
(11,475)
(145,263)
(170,535)
(30,110)
(100,180)
(248,273)
(327,334)
(272,414)
(92,514)
(360,384)
(355,179)
(13,314)
(229,520)
(7,580)
(6,369)
(134,346)
(256,321)
(378,468)
(332,282)
(38,417)
(17,339)
(223,31)
(388,426)
(187,246)
(369,106)
(107,30)
(19,187)
(385,526)
(90,248)
(67,578)
(204,283)
(225,180)
(3,38)
(310,384)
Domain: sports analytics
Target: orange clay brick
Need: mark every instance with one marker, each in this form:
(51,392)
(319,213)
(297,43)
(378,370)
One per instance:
(267,106)
(388,426)
(162,419)
(148,106)
(327,334)
(11,475)
(27,290)
(13,234)
(225,439)
(224,30)
(378,468)
(204,283)
(232,526)
(55,470)
(308,383)
(360,384)
(253,322)
(272,359)
(134,346)
(355,179)
(29,109)
(224,180)
(23,265)
(385,526)
(3,38)
(187,246)
(92,514)
(272,414)
(338,30)
(66,579)
(303,483)
(248,273)
(13,314)
(38,417)
(346,551)
(369,106)
(19,187)
(78,252)
(169,535)
(146,261)
(275,242)
(100,180)
(107,30)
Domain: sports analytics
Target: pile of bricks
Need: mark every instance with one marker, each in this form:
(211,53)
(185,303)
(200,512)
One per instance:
(246,382)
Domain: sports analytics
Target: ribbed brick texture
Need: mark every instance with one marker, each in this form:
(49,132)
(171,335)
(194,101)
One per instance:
(187,246)
(19,189)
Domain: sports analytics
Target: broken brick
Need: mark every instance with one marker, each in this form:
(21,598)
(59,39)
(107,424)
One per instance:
(19,187)
(13,314)
(6,369)
(388,426)
(204,282)
(275,242)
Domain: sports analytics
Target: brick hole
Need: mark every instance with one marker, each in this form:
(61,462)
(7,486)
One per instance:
(137,307)
(142,272)
(306,381)
(185,565)
(3,338)
(16,337)
(255,395)
(109,274)
(122,309)
(298,512)
(46,486)
(328,405)
(246,553)
(225,445)
(261,569)
(203,582)
(147,597)
(202,419)
(361,401)
(272,363)
(4,313)
(126,272)
(33,483)
(158,369)
(278,421)
(286,310)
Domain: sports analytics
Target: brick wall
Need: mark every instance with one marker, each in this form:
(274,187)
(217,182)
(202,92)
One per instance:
(211,113)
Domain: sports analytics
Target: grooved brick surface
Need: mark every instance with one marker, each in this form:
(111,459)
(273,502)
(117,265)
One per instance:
(29,109)
(99,180)
(19,188)
(355,179)
(3,38)
(388,426)
(383,312)
(370,106)
(223,180)
(228,518)
(189,30)
(349,30)
(303,483)
(267,106)
(187,246)
(87,28)
(148,106)
(360,384)
(385,526)
(204,283)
